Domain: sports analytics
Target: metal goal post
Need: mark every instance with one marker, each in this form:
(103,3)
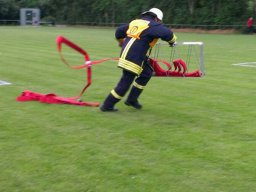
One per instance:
(191,52)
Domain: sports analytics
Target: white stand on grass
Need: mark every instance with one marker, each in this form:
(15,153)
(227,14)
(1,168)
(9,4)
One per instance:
(191,52)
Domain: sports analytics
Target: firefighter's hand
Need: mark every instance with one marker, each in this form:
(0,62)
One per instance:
(172,44)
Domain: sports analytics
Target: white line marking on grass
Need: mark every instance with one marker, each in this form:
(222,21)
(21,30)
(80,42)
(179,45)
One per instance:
(4,83)
(246,64)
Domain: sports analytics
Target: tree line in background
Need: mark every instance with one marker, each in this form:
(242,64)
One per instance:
(193,12)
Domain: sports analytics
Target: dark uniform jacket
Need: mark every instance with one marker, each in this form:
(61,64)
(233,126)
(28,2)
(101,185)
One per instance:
(137,38)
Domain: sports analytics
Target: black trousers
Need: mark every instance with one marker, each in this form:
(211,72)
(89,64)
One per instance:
(125,83)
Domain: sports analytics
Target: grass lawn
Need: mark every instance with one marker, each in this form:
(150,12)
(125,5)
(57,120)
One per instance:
(192,135)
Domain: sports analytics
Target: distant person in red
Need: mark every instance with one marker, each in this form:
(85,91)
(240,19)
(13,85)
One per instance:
(250,25)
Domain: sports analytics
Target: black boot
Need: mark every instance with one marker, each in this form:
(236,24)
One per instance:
(134,104)
(132,99)
(104,109)
(108,105)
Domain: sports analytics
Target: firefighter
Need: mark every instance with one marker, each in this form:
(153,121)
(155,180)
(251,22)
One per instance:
(136,39)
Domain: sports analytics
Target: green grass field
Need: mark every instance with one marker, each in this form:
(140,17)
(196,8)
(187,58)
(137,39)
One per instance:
(192,135)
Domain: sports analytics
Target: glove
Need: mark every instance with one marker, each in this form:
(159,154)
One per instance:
(172,44)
